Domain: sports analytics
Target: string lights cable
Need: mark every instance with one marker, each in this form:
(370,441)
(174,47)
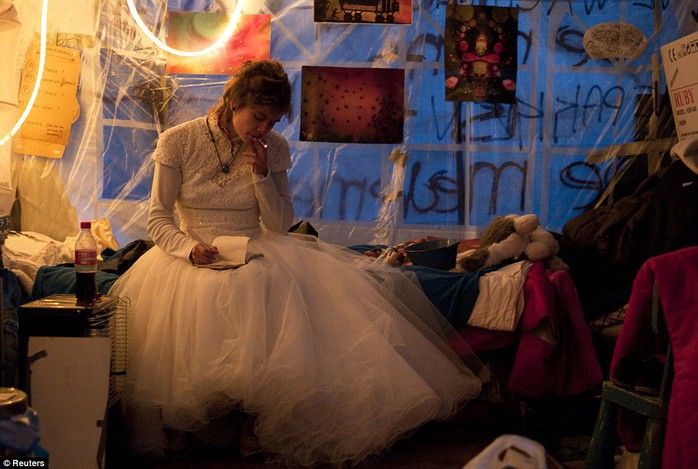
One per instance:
(39,76)
(230,28)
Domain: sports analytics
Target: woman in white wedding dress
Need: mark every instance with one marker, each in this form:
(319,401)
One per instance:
(334,354)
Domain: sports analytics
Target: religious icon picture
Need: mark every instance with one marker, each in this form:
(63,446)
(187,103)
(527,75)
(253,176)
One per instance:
(352,105)
(480,53)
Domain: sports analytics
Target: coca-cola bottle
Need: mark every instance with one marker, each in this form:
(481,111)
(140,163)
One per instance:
(86,266)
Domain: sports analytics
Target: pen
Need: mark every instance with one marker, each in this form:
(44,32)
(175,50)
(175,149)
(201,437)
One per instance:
(196,236)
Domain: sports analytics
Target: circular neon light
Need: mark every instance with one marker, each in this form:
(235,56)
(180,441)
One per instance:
(234,18)
(39,76)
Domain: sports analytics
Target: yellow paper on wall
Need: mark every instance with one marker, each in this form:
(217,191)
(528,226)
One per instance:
(47,128)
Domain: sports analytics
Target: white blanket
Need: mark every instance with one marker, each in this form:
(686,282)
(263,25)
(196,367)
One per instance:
(500,302)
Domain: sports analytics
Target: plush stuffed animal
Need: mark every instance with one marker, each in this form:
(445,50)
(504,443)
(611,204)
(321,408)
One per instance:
(512,237)
(544,247)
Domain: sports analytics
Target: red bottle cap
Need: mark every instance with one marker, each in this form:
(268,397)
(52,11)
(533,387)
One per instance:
(85,224)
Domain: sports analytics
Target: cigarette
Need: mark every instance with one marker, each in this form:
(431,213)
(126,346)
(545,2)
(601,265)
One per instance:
(263,143)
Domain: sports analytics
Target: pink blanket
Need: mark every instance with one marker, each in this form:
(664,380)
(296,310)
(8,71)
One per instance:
(555,356)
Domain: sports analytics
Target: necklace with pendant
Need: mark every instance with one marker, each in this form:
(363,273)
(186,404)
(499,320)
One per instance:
(225,167)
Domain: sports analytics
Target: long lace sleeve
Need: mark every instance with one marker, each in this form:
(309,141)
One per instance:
(161,223)
(276,209)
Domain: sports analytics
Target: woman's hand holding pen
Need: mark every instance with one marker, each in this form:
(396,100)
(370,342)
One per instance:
(201,253)
(204,254)
(258,157)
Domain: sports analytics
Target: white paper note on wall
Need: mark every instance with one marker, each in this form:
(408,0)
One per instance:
(680,60)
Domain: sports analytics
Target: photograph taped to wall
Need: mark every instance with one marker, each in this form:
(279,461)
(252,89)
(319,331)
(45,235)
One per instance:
(352,105)
(191,31)
(480,53)
(363,11)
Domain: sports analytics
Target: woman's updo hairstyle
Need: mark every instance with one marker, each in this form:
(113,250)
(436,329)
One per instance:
(263,82)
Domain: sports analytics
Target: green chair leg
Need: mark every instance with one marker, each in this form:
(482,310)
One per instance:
(653,445)
(603,443)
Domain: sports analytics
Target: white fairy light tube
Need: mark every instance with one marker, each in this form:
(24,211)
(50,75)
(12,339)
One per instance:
(234,18)
(39,76)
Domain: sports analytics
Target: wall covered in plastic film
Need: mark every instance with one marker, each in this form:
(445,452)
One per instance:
(456,164)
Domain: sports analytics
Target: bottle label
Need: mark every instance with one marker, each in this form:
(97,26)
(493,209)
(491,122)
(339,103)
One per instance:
(85,258)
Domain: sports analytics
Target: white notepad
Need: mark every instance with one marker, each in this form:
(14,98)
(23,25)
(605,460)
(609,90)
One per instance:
(232,253)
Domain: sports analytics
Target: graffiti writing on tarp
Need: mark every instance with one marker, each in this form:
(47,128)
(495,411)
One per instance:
(414,50)
(579,113)
(497,172)
(592,180)
(571,117)
(526,36)
(359,192)
(438,192)
(521,5)
(345,199)
(424,193)
(448,125)
(571,41)
(437,186)
(508,119)
(550,6)
(650,4)
(435,193)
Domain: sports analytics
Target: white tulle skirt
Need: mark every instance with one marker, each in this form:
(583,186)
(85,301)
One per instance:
(336,355)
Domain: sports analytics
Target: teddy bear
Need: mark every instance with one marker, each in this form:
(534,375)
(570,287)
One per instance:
(544,247)
(516,237)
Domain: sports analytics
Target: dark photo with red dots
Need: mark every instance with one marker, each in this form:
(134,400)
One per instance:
(352,105)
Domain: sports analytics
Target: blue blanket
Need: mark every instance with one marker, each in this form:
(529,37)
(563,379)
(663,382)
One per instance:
(453,293)
(61,279)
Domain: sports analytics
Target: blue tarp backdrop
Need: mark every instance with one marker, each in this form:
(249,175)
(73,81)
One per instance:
(460,164)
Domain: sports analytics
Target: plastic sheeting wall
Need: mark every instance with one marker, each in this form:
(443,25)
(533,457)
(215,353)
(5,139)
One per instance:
(460,164)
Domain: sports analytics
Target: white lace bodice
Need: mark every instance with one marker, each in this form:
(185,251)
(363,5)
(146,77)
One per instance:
(208,200)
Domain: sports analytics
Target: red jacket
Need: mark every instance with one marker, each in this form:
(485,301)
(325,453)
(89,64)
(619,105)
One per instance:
(676,276)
